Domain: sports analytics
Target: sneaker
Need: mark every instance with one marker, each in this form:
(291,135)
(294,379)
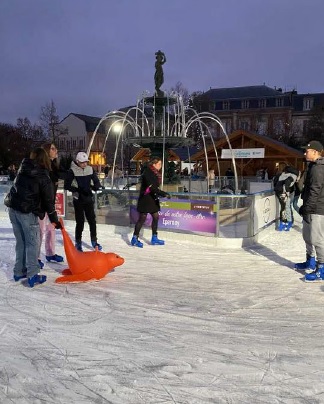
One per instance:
(19,277)
(36,279)
(55,258)
(96,245)
(136,243)
(41,264)
(78,246)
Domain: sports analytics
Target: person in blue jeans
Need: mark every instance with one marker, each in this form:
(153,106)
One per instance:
(31,196)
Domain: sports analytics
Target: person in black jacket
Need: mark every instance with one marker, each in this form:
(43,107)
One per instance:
(148,201)
(284,186)
(81,180)
(312,210)
(31,196)
(45,227)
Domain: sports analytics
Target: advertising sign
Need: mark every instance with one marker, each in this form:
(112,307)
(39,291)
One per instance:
(257,153)
(264,212)
(60,203)
(188,215)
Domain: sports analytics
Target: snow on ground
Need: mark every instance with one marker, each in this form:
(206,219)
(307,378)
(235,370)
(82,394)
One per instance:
(178,324)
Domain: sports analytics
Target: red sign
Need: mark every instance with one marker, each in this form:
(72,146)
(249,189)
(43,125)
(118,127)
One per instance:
(60,203)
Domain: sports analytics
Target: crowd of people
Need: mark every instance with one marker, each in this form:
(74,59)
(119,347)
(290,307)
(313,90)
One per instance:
(31,206)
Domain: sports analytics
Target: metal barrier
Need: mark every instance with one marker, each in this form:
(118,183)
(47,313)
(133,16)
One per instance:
(211,215)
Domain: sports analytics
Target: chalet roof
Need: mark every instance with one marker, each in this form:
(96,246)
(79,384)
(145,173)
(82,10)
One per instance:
(241,92)
(261,139)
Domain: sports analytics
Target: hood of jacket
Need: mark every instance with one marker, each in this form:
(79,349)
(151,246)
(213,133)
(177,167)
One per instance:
(30,168)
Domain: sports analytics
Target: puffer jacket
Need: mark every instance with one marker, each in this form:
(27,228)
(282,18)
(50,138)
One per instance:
(148,200)
(313,191)
(33,191)
(81,182)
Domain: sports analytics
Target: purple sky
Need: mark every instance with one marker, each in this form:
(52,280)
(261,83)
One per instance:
(92,56)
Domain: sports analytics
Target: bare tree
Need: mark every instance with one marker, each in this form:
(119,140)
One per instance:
(180,89)
(49,121)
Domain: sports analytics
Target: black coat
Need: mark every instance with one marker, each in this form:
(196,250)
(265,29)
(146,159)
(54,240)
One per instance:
(313,191)
(148,200)
(33,191)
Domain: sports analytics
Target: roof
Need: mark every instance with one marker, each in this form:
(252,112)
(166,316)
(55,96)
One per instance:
(242,92)
(91,122)
(280,147)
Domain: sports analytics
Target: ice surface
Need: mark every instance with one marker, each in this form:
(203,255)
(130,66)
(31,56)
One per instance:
(180,323)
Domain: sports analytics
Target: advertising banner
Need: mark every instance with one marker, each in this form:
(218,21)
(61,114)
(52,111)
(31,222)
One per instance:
(264,212)
(256,153)
(193,216)
(60,203)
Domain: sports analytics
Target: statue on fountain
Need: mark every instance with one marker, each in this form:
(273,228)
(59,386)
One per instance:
(160,59)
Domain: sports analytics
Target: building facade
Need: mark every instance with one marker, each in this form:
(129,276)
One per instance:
(260,109)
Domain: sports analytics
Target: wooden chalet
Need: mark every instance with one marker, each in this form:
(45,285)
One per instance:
(276,155)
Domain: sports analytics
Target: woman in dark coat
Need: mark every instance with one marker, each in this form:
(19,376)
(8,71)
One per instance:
(31,196)
(148,201)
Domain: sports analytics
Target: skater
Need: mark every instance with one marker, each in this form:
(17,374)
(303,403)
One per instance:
(30,198)
(210,180)
(148,201)
(284,184)
(46,227)
(312,211)
(81,180)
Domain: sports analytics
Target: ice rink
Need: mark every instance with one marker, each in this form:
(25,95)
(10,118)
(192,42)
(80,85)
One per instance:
(176,324)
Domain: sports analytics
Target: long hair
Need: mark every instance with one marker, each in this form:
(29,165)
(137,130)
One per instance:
(40,156)
(154,160)
(47,146)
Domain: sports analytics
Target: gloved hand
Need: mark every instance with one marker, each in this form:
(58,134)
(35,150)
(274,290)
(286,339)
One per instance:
(168,196)
(301,210)
(57,225)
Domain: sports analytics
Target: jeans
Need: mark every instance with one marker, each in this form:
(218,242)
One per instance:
(289,211)
(26,230)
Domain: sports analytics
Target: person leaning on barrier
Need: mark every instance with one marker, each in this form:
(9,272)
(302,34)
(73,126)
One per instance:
(284,184)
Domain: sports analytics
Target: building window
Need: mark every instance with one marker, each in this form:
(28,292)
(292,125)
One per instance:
(262,127)
(279,102)
(226,105)
(262,103)
(245,104)
(278,126)
(244,125)
(81,144)
(211,106)
(308,104)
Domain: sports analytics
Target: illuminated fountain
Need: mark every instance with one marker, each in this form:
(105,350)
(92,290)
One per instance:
(160,122)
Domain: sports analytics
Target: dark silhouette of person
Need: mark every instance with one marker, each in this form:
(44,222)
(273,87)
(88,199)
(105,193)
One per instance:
(160,59)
